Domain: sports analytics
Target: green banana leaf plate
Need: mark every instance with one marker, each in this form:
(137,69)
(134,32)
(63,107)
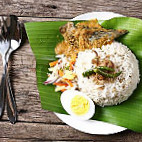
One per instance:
(43,37)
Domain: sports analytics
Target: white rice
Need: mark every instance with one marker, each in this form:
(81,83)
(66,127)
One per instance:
(116,92)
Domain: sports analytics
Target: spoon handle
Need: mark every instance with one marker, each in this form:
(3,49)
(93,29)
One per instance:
(2,93)
(11,105)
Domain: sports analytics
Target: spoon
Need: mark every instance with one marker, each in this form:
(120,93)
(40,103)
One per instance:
(15,40)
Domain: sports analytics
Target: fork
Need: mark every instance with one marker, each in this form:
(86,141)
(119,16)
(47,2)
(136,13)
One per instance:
(4,46)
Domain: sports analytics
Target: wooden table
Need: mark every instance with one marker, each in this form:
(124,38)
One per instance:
(35,124)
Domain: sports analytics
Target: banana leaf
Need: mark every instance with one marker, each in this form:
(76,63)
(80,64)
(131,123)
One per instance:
(43,37)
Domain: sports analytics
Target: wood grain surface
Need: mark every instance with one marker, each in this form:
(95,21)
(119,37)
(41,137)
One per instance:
(69,8)
(35,124)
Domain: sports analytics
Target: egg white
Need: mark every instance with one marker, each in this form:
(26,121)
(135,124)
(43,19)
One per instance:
(66,98)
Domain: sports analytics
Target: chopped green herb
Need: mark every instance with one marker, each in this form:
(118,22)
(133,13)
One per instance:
(67,67)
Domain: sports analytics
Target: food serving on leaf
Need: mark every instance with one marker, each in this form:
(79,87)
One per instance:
(92,63)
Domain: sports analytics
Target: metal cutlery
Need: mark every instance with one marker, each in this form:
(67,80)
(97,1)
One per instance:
(12,34)
(4,45)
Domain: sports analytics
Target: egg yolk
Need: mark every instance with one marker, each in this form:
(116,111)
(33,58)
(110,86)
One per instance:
(79,105)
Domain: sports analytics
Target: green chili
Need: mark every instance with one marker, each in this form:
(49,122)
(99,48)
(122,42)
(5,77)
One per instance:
(88,73)
(107,75)
(104,68)
(101,70)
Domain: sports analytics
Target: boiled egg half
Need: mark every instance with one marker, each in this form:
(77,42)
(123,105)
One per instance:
(77,104)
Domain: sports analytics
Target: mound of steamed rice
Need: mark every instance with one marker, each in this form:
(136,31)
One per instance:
(122,86)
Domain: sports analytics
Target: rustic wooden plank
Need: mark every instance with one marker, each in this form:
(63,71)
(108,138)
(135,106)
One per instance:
(46,132)
(35,140)
(13,140)
(68,8)
(33,19)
